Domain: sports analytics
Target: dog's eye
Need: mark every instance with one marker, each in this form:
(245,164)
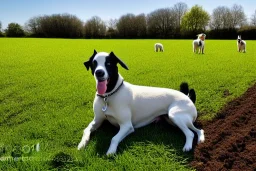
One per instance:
(108,64)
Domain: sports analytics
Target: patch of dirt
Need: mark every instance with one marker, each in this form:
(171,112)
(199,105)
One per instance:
(230,139)
(226,93)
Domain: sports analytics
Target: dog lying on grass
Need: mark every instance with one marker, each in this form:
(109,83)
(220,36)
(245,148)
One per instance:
(129,106)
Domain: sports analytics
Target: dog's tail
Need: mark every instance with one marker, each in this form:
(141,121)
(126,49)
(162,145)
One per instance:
(191,93)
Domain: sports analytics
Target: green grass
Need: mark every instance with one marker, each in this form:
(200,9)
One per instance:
(46,97)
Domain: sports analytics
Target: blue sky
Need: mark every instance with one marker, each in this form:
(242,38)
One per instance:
(20,11)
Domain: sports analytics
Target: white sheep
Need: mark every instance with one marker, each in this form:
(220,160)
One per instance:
(159,46)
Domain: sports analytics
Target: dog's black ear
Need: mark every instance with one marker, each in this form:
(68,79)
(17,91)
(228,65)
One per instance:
(118,60)
(88,64)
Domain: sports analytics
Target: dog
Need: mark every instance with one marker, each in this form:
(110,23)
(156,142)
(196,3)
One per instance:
(241,44)
(159,46)
(129,106)
(198,44)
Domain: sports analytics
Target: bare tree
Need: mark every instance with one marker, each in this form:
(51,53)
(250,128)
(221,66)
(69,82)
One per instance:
(140,24)
(33,25)
(253,19)
(95,28)
(238,16)
(112,23)
(162,22)
(125,26)
(221,18)
(111,28)
(0,26)
(180,9)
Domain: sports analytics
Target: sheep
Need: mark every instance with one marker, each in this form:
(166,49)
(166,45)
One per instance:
(159,46)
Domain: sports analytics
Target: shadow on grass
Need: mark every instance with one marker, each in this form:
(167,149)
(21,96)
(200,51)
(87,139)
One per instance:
(160,133)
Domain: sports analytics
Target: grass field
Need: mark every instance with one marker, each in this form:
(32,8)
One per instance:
(46,97)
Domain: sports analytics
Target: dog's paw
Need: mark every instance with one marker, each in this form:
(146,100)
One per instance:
(82,144)
(187,148)
(201,137)
(111,152)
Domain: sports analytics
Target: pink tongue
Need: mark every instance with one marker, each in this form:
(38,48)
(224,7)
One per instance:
(102,87)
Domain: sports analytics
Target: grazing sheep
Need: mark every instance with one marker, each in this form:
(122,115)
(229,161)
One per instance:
(241,44)
(198,44)
(159,46)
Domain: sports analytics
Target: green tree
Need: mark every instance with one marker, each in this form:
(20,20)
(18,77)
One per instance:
(195,20)
(14,30)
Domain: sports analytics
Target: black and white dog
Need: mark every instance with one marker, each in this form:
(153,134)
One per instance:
(198,44)
(131,106)
(241,44)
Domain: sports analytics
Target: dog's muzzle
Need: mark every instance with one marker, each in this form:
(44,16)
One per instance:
(100,74)
(102,81)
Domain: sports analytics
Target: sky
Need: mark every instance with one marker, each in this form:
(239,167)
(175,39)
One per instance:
(20,11)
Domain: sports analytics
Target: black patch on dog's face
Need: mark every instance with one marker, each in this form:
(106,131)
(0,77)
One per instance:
(91,64)
(112,69)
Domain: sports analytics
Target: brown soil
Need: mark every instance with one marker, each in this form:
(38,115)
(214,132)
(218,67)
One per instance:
(230,139)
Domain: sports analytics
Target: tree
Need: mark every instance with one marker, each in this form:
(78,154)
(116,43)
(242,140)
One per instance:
(180,9)
(111,28)
(125,26)
(14,30)
(162,23)
(253,19)
(238,16)
(95,28)
(1,34)
(56,25)
(195,20)
(140,25)
(221,18)
(33,26)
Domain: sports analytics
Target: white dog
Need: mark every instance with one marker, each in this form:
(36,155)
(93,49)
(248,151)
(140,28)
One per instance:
(159,46)
(198,44)
(241,44)
(131,106)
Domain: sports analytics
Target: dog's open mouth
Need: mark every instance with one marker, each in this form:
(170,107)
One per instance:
(102,86)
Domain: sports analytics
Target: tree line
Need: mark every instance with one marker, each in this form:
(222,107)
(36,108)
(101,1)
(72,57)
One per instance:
(173,22)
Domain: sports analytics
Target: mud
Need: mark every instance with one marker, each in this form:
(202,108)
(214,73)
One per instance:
(230,138)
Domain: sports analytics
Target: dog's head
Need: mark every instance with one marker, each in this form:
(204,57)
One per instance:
(201,36)
(239,39)
(104,69)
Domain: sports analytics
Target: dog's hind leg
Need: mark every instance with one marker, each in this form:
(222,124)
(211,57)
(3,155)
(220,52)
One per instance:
(200,133)
(125,129)
(182,121)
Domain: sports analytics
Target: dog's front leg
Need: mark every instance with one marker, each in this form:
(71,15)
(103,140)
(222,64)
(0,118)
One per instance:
(125,129)
(95,124)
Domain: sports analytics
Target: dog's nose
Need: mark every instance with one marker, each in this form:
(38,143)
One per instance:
(99,73)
